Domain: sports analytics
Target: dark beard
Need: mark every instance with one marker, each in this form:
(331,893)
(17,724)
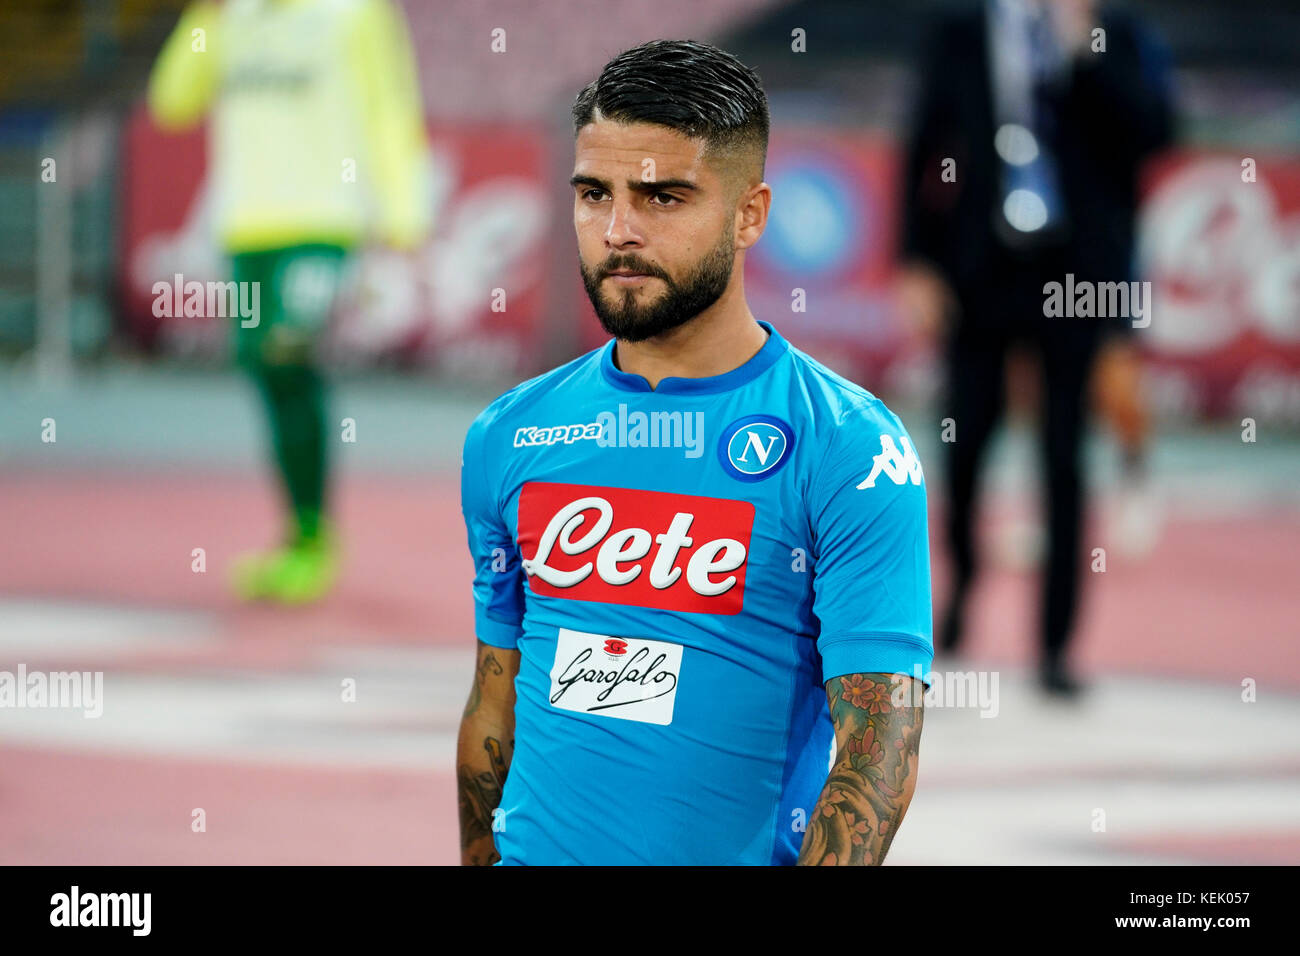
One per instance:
(676,306)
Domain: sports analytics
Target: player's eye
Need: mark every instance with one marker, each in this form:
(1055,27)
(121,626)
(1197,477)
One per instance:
(665,199)
(593,194)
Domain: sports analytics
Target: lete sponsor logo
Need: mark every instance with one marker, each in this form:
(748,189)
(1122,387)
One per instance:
(643,548)
(640,683)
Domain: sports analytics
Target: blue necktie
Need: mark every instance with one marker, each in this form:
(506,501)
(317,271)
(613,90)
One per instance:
(1040,176)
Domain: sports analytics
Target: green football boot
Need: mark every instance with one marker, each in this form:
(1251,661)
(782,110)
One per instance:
(307,573)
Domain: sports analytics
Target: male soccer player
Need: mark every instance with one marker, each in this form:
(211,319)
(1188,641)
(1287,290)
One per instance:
(315,109)
(700,555)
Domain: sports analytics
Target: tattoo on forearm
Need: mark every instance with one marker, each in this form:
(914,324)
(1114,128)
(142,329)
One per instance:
(484,762)
(480,795)
(868,789)
(489,666)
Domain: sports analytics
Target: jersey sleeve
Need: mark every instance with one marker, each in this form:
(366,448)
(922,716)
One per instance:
(184,78)
(498,576)
(393,114)
(871,550)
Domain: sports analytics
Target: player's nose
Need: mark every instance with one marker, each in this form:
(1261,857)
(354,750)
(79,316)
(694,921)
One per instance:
(622,230)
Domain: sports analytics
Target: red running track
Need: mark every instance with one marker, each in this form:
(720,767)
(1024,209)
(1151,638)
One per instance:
(1216,600)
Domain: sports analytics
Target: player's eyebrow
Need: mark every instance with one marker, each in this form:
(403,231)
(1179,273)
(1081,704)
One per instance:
(636,185)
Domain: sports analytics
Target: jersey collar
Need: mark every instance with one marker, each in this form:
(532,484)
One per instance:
(772,349)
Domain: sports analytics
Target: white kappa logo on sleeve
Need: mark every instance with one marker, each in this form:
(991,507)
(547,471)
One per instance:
(899,466)
(626,677)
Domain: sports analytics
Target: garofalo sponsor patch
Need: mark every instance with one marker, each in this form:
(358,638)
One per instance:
(625,677)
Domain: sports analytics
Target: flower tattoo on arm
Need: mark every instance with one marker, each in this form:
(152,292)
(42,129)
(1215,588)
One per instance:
(877,720)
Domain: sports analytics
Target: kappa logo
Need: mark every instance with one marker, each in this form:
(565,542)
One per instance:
(755,447)
(900,467)
(624,429)
(531,435)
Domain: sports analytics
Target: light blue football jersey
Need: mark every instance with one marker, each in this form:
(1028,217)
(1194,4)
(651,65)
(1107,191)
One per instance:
(681,569)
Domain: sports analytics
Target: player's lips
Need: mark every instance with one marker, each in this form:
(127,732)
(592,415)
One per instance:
(625,277)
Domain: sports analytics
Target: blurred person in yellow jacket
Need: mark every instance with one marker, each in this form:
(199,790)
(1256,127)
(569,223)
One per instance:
(316,144)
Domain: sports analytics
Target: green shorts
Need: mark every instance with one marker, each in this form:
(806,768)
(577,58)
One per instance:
(294,292)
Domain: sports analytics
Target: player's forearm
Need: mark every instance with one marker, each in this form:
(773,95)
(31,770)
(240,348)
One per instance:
(870,787)
(483,753)
(484,749)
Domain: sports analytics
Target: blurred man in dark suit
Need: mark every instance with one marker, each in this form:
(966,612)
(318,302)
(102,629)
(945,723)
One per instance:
(1034,119)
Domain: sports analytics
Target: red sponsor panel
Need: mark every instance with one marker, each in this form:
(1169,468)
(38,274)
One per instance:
(441,306)
(162,176)
(627,546)
(1219,241)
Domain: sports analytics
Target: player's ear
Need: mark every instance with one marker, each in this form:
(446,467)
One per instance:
(751,214)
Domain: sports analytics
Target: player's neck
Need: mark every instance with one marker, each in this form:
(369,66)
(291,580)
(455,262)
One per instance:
(723,337)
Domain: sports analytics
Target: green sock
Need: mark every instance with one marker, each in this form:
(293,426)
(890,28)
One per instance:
(295,397)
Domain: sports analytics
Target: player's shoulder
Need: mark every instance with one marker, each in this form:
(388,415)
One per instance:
(854,434)
(834,403)
(562,383)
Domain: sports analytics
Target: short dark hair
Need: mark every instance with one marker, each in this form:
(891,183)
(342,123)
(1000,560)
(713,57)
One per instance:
(695,88)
